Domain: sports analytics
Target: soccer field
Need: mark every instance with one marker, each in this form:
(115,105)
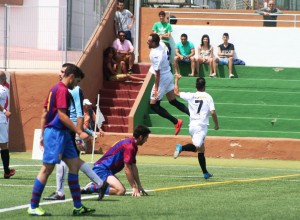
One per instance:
(240,189)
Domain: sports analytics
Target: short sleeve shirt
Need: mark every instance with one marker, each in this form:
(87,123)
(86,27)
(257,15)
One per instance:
(120,153)
(185,49)
(3,100)
(159,60)
(162,28)
(125,46)
(122,19)
(200,104)
(227,49)
(58,98)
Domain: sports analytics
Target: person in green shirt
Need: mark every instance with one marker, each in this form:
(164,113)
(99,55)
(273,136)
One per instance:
(163,29)
(184,53)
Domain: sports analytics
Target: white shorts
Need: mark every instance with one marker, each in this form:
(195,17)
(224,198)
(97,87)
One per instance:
(198,134)
(3,133)
(166,84)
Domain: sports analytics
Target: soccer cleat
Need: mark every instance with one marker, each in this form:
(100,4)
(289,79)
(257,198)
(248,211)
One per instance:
(10,174)
(83,211)
(37,212)
(178,150)
(207,175)
(55,196)
(178,126)
(102,190)
(86,189)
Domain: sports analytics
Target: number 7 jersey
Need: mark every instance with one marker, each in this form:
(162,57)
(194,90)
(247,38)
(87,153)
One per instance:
(200,104)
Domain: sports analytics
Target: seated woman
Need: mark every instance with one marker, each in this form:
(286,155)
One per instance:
(206,54)
(115,69)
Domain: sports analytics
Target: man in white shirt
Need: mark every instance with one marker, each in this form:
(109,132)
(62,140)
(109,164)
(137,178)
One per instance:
(4,115)
(201,105)
(163,84)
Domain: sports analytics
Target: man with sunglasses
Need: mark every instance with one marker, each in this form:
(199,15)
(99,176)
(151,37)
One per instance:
(125,50)
(268,14)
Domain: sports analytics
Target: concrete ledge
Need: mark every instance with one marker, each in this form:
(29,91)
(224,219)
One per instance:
(216,147)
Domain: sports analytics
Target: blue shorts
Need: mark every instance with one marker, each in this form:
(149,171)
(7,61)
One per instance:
(185,60)
(58,144)
(102,172)
(223,61)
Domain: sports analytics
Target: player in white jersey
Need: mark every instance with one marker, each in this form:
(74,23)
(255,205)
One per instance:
(201,105)
(163,84)
(4,115)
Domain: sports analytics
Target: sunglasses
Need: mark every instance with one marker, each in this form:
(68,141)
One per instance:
(121,35)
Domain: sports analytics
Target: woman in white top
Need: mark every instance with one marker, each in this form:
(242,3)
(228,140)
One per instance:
(206,54)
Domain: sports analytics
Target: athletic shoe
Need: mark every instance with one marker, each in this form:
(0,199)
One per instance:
(178,126)
(37,212)
(178,150)
(207,175)
(213,75)
(231,76)
(11,173)
(102,190)
(83,211)
(86,189)
(55,196)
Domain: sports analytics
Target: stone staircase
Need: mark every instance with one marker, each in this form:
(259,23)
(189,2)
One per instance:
(117,98)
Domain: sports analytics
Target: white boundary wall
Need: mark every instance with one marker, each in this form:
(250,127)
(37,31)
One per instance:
(257,46)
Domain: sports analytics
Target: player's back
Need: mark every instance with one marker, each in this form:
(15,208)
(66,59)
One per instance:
(200,104)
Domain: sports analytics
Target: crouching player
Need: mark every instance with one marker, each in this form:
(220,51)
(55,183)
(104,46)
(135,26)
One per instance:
(200,105)
(122,154)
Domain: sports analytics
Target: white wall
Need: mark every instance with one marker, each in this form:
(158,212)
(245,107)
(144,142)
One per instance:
(257,46)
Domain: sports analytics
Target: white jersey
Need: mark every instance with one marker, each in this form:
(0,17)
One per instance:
(3,97)
(200,105)
(159,60)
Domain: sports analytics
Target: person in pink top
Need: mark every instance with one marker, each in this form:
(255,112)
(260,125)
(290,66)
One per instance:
(125,50)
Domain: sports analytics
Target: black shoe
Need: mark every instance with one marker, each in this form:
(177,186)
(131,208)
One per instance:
(102,190)
(86,188)
(55,196)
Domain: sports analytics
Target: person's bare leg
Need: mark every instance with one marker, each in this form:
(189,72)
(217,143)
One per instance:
(176,59)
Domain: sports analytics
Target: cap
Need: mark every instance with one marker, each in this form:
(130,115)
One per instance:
(86,102)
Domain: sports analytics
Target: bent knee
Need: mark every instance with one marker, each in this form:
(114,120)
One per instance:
(121,192)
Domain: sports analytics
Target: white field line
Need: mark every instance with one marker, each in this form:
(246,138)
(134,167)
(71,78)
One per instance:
(164,189)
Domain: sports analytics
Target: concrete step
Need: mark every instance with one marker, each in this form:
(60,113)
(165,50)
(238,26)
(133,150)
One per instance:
(116,102)
(115,128)
(111,93)
(115,111)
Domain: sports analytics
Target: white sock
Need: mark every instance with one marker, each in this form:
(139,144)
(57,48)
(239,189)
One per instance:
(85,168)
(60,177)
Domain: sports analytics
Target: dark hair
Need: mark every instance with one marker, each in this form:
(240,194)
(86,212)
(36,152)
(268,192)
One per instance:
(73,69)
(205,36)
(162,13)
(155,38)
(141,130)
(200,83)
(120,1)
(226,34)
(108,51)
(119,32)
(184,35)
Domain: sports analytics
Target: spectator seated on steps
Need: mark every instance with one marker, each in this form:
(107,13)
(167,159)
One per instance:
(184,53)
(125,50)
(115,68)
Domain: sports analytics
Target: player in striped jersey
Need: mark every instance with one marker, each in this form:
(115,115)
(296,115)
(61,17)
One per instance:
(121,154)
